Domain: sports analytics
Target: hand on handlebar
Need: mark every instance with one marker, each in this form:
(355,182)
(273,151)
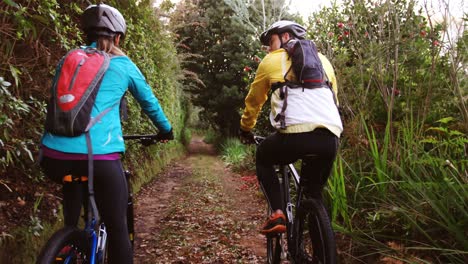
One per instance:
(165,137)
(246,137)
(147,140)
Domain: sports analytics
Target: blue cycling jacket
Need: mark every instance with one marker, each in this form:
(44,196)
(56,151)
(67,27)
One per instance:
(106,134)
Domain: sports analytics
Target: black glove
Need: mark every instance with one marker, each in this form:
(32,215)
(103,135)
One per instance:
(165,136)
(246,137)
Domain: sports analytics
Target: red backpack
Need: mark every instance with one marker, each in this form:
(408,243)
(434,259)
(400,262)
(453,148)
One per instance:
(74,91)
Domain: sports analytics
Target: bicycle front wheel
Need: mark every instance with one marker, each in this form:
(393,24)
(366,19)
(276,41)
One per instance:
(68,245)
(316,240)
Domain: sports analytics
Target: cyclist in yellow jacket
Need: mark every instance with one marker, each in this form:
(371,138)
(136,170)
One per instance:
(313,124)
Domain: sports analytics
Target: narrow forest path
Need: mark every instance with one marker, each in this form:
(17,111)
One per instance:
(198,211)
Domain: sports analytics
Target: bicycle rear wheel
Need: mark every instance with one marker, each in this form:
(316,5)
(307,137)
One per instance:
(274,248)
(68,245)
(315,240)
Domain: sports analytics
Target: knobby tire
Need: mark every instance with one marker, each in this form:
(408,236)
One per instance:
(316,240)
(71,242)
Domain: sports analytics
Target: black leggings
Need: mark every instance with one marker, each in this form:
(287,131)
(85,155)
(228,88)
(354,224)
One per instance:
(317,149)
(111,196)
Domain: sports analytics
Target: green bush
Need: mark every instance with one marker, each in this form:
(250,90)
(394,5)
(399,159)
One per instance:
(34,36)
(210,136)
(238,156)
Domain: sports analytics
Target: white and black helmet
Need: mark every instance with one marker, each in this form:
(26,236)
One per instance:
(103,20)
(282,26)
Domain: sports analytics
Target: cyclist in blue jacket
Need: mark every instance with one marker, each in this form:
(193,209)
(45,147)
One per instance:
(105,28)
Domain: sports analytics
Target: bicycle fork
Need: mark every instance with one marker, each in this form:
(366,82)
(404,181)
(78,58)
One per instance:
(288,208)
(101,243)
(284,185)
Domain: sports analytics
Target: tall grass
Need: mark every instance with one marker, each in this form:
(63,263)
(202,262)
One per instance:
(337,193)
(413,193)
(435,191)
(379,155)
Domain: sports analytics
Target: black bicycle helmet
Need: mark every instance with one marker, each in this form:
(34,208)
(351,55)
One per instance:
(282,26)
(103,20)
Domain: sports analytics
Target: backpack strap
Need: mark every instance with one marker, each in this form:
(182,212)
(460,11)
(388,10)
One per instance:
(91,123)
(92,200)
(281,117)
(330,86)
(89,145)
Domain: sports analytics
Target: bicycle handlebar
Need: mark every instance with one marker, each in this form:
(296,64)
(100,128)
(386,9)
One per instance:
(145,140)
(136,137)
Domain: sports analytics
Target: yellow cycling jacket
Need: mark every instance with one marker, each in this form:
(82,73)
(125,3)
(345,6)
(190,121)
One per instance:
(307,108)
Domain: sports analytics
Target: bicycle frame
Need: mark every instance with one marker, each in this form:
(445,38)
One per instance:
(288,172)
(93,237)
(98,239)
(295,224)
(298,210)
(97,236)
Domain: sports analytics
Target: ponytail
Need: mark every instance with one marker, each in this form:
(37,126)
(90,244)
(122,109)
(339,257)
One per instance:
(107,45)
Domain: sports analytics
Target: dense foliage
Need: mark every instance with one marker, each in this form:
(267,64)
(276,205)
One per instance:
(391,60)
(224,48)
(34,36)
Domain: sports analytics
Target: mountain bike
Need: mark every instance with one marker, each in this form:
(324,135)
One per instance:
(88,244)
(309,237)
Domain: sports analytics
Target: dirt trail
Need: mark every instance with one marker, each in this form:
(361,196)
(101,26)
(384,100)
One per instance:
(197,211)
